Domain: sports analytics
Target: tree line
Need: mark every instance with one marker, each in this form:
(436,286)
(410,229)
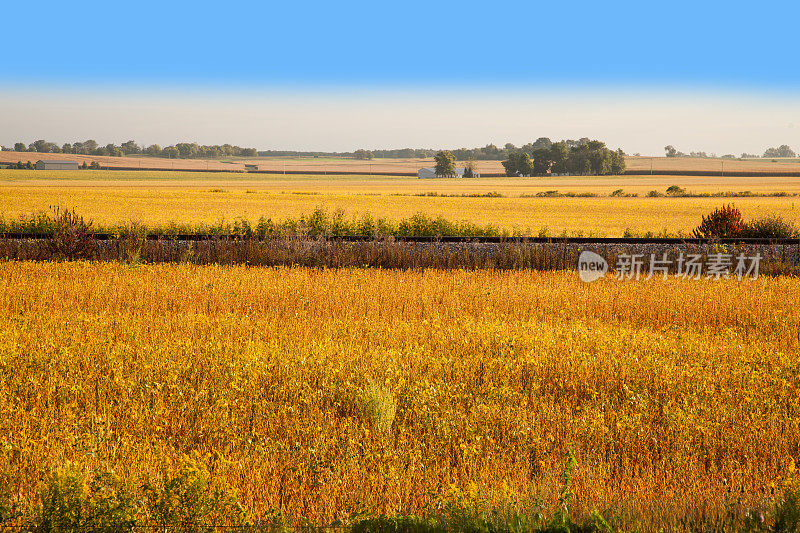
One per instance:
(781,151)
(490,152)
(177,151)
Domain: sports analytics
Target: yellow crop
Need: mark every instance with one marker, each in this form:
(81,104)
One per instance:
(156,198)
(314,391)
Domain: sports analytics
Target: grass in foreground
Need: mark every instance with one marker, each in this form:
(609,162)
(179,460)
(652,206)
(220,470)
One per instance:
(324,394)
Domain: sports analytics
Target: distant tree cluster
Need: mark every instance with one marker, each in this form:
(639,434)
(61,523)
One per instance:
(19,165)
(674,152)
(583,157)
(180,150)
(363,154)
(401,153)
(781,151)
(405,153)
(296,153)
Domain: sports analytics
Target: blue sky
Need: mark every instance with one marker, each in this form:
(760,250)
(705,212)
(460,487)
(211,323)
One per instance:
(743,45)
(713,76)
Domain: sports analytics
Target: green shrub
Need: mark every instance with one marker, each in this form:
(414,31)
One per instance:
(75,500)
(787,511)
(674,190)
(9,510)
(770,227)
(377,406)
(399,524)
(188,501)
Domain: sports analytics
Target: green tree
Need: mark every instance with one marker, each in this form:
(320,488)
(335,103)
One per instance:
(518,164)
(89,146)
(171,152)
(43,146)
(671,151)
(188,150)
(114,150)
(130,147)
(469,169)
(542,162)
(153,149)
(445,164)
(524,164)
(618,162)
(559,155)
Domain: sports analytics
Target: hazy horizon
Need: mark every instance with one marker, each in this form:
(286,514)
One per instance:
(347,119)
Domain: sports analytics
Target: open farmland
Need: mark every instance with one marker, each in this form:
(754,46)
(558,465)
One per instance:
(156,198)
(643,165)
(136,162)
(637,165)
(679,399)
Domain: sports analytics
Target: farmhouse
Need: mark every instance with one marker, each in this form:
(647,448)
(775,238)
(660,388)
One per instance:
(52,164)
(430,172)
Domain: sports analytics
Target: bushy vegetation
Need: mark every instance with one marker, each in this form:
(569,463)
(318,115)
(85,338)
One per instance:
(727,221)
(76,498)
(319,223)
(677,191)
(771,227)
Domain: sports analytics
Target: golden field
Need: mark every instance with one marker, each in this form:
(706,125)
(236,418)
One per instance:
(634,163)
(676,396)
(321,165)
(155,198)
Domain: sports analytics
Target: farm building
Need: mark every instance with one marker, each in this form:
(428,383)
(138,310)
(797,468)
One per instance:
(430,172)
(52,164)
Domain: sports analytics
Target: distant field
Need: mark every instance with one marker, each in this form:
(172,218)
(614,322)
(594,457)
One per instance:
(323,165)
(679,164)
(642,164)
(130,161)
(155,198)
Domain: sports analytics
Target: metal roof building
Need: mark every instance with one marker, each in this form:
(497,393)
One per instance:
(52,164)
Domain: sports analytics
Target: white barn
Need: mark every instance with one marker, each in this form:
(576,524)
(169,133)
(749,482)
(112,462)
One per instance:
(430,172)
